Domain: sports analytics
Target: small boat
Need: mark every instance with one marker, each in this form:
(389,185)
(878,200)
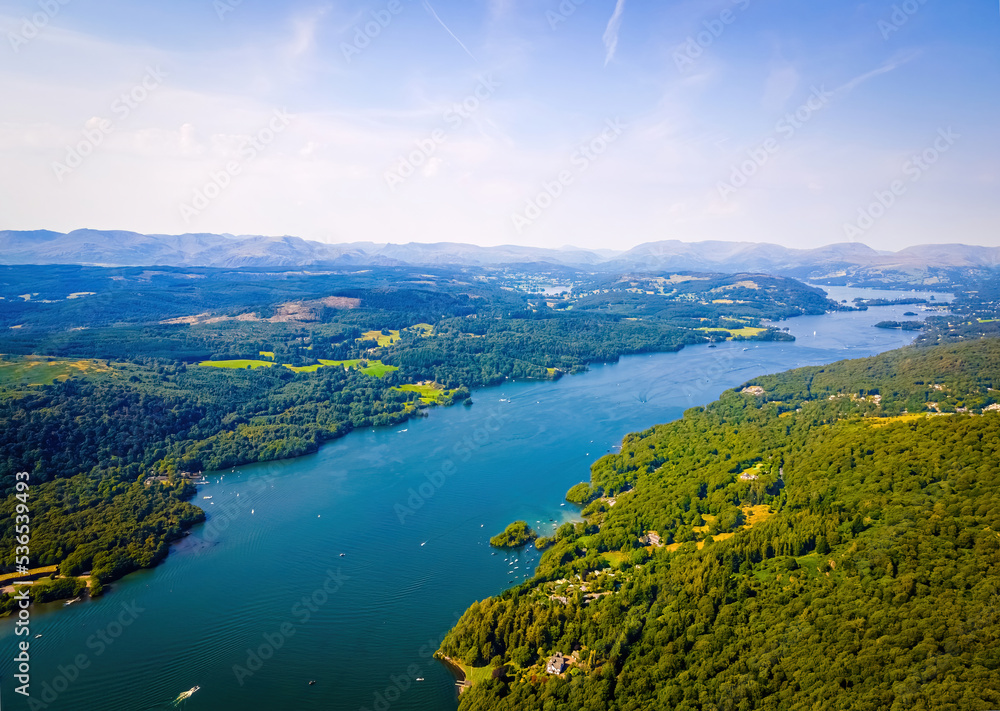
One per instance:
(343,555)
(70,602)
(206,497)
(420,678)
(187,694)
(251,510)
(423,544)
(312,682)
(37,636)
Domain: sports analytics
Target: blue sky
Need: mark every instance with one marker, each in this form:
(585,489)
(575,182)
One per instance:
(595,123)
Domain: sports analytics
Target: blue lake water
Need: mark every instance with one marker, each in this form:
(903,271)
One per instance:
(411,508)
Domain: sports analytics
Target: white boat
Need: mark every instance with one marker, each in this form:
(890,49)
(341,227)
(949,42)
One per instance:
(187,694)
(206,497)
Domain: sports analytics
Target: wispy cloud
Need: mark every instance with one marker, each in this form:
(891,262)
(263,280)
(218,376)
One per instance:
(889,66)
(611,33)
(303,39)
(430,9)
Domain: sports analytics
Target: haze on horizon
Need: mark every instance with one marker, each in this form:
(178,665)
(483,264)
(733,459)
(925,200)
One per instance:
(435,121)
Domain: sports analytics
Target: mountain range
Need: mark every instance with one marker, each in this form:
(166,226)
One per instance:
(121,248)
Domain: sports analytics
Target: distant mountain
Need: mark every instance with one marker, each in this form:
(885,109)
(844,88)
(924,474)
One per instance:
(119,248)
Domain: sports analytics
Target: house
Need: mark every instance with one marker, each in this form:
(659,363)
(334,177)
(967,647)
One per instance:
(652,538)
(556,665)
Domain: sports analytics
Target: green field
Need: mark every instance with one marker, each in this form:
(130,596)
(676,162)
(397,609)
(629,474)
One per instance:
(34,370)
(475,675)
(375,368)
(614,557)
(383,340)
(745,332)
(430,394)
(267,354)
(244,363)
(304,368)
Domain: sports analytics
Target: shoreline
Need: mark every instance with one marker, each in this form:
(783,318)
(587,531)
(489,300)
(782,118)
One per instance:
(186,531)
(457,670)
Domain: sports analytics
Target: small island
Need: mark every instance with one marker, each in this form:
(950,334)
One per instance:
(904,325)
(515,535)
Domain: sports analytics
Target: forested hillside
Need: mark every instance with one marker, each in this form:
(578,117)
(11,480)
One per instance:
(826,538)
(114,376)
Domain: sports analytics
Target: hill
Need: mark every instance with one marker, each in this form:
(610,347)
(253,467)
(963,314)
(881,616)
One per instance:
(827,537)
(926,264)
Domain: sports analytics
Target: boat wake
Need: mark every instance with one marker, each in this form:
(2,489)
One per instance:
(185,695)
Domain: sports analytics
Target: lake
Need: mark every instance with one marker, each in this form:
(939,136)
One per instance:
(348,566)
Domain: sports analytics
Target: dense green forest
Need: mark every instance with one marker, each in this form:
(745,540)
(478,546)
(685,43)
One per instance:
(103,385)
(823,538)
(515,535)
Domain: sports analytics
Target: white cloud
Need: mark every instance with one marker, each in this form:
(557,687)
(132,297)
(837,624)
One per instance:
(304,27)
(427,6)
(611,32)
(891,65)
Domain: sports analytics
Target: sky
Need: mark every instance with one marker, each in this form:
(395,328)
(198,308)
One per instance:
(593,123)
